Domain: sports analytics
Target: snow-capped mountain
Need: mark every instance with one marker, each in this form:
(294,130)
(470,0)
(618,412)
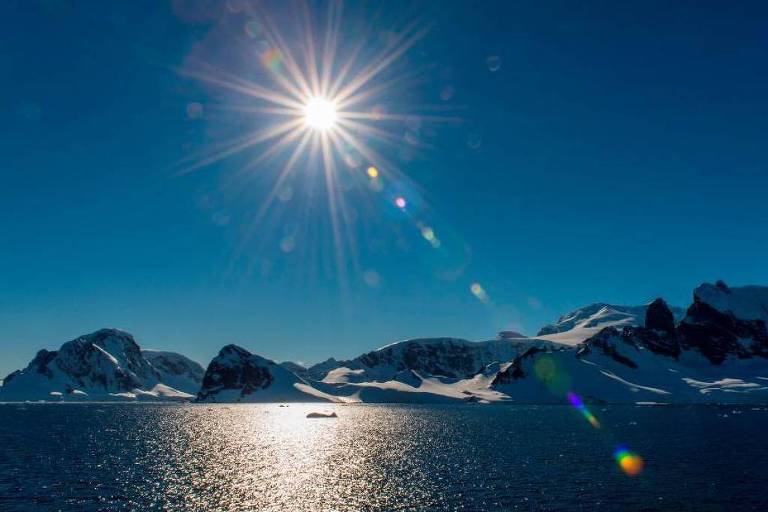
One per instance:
(715,354)
(236,375)
(578,325)
(105,365)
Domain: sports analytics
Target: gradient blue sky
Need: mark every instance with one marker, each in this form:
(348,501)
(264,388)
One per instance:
(618,154)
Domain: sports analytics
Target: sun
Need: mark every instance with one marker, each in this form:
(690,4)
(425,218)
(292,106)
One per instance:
(320,113)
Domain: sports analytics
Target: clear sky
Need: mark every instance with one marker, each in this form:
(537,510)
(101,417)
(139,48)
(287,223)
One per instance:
(604,151)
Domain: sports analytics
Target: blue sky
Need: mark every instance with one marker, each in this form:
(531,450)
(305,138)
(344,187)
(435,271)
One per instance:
(617,154)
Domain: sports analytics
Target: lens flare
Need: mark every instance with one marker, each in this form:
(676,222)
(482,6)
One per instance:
(556,379)
(429,235)
(629,462)
(272,60)
(479,292)
(373,172)
(578,403)
(400,202)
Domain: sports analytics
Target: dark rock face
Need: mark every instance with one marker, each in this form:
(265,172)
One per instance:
(515,371)
(717,334)
(10,377)
(235,368)
(606,342)
(659,317)
(442,357)
(42,360)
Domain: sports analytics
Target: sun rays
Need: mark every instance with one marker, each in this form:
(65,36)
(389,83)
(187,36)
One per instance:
(319,104)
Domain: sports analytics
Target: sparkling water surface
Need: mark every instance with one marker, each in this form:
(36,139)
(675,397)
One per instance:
(83,457)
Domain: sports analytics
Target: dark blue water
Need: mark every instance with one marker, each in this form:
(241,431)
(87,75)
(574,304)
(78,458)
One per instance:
(265,457)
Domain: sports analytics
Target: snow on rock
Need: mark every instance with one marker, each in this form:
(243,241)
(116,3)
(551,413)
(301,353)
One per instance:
(236,375)
(105,365)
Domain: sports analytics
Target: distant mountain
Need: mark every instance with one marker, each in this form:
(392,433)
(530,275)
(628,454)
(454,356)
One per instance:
(716,351)
(320,370)
(105,365)
(236,375)
(294,368)
(176,370)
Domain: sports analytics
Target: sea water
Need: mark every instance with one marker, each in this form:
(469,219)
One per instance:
(84,457)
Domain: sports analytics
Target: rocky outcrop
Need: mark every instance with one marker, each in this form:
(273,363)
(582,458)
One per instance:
(236,375)
(235,369)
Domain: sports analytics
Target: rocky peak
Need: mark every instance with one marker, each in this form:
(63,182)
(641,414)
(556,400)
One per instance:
(659,317)
(236,369)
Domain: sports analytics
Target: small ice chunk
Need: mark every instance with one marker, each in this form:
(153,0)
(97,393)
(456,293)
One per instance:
(322,415)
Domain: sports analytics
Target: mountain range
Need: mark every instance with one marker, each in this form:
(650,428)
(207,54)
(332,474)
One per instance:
(714,351)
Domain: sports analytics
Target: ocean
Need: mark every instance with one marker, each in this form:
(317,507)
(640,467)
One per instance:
(94,457)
